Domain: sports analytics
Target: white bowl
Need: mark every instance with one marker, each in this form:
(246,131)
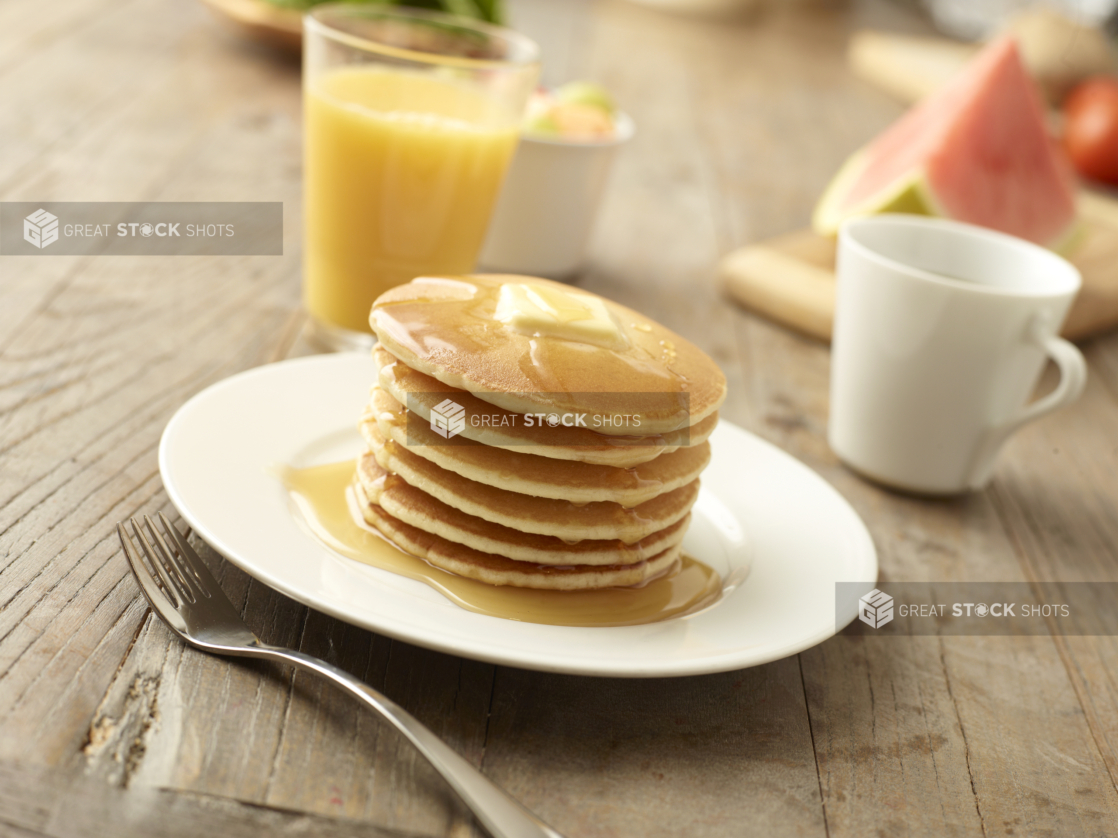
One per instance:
(545,212)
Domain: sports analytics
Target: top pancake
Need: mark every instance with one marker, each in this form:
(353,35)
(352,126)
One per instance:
(445,327)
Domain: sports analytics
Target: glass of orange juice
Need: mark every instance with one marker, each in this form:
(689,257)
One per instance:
(411,119)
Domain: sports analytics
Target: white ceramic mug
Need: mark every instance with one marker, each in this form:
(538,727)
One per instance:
(941,332)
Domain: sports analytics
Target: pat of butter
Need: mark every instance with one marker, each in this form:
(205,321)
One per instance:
(542,311)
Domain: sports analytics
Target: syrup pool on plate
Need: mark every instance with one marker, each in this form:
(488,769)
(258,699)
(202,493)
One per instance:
(325,503)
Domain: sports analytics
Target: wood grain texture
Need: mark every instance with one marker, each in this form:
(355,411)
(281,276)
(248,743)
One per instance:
(109,726)
(49,803)
(906,67)
(959,721)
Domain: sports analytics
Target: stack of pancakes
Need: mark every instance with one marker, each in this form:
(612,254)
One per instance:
(523,492)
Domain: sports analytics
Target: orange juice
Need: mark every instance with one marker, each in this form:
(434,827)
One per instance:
(402,171)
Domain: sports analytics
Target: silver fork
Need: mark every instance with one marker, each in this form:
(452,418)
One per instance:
(189,600)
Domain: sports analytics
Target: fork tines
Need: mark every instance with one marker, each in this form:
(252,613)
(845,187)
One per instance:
(171,563)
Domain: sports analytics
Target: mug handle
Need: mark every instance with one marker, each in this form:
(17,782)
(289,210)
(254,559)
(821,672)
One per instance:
(1073,378)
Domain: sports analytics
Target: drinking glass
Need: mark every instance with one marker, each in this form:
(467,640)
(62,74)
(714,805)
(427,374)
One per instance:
(411,119)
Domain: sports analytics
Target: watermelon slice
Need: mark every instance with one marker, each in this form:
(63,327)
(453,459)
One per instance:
(976,151)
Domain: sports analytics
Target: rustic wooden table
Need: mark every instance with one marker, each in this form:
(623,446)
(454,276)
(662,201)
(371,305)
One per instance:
(109,726)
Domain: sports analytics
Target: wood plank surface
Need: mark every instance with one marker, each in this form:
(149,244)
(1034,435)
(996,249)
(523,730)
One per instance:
(108,726)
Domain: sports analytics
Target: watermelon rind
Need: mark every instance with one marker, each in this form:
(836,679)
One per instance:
(907,195)
(1068,241)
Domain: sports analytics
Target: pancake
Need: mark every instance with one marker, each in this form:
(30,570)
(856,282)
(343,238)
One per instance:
(505,429)
(530,474)
(498,570)
(446,328)
(545,516)
(418,509)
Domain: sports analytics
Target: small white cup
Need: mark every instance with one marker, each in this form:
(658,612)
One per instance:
(548,203)
(941,333)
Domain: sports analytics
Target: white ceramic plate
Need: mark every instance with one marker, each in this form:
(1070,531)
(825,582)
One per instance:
(757,504)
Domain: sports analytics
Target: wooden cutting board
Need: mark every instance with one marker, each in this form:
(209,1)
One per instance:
(261,21)
(791,279)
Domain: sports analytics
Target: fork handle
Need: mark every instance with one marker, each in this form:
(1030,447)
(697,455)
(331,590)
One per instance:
(499,813)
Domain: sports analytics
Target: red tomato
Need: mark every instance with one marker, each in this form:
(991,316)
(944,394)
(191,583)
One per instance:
(1091,128)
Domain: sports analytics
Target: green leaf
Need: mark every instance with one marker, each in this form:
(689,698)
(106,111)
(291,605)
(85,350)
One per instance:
(492,11)
(463,8)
